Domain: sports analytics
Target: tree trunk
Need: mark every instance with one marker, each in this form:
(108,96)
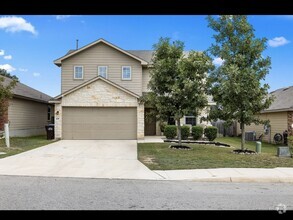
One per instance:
(179,131)
(242,126)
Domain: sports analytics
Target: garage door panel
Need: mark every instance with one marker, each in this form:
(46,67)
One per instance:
(99,123)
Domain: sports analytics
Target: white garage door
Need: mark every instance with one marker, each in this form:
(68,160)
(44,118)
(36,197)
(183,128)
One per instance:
(90,123)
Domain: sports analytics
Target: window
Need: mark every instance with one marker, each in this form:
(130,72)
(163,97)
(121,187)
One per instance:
(190,120)
(126,73)
(49,113)
(103,71)
(78,72)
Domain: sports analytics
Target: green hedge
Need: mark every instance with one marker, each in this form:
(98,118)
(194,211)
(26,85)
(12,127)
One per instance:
(170,131)
(185,132)
(211,132)
(197,132)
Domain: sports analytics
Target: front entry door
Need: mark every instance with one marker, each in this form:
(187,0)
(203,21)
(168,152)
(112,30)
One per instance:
(149,124)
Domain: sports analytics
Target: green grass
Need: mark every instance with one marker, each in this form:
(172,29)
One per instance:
(22,144)
(159,156)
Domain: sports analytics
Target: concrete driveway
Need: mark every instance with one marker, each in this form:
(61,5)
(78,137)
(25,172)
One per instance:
(80,158)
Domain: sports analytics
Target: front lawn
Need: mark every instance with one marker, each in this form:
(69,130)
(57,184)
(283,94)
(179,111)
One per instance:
(22,144)
(158,156)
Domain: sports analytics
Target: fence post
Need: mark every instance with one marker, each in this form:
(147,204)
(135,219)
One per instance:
(6,132)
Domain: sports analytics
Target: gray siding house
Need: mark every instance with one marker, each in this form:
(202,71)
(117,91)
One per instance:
(100,89)
(28,111)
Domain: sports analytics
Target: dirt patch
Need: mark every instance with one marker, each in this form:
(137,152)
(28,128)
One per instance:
(149,160)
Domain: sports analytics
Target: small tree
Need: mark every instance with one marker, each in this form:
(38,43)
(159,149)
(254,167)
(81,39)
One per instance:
(177,82)
(236,85)
(6,90)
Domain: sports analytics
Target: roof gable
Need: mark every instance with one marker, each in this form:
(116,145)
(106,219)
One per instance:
(93,80)
(283,100)
(74,52)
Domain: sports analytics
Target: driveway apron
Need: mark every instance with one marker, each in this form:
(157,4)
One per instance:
(80,158)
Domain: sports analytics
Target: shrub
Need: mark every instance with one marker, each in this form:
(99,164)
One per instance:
(211,132)
(185,132)
(197,132)
(162,125)
(170,131)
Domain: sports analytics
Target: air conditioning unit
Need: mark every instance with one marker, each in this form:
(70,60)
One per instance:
(250,136)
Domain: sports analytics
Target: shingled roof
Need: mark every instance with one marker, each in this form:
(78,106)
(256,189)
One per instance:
(26,92)
(283,100)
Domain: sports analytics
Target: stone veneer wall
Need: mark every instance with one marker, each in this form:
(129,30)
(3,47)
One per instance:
(99,94)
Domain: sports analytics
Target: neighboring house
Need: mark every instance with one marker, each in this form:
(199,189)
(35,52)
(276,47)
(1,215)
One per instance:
(280,114)
(100,89)
(28,111)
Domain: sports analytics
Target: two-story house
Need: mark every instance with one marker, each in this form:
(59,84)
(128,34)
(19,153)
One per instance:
(100,89)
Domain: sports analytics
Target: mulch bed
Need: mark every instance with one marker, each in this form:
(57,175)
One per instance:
(198,142)
(245,151)
(183,147)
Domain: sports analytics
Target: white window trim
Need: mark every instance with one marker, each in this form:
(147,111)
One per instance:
(122,73)
(74,72)
(106,71)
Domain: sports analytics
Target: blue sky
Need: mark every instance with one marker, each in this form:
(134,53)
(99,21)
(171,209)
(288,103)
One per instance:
(29,44)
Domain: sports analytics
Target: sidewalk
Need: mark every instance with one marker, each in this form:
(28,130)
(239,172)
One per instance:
(281,175)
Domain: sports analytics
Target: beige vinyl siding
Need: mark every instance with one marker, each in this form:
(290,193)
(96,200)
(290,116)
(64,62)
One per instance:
(27,117)
(102,55)
(145,79)
(278,122)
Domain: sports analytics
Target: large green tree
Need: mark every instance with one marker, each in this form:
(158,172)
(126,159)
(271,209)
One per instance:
(6,90)
(177,81)
(238,84)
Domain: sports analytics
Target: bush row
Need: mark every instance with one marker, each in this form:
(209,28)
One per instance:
(210,132)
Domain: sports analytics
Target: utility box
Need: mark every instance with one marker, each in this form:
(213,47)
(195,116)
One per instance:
(284,152)
(250,136)
(50,129)
(258,147)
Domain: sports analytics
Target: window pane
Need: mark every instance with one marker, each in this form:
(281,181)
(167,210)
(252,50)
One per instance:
(126,73)
(78,72)
(102,71)
(190,120)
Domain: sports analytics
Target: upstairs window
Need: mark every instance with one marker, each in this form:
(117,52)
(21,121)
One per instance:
(78,72)
(103,71)
(126,73)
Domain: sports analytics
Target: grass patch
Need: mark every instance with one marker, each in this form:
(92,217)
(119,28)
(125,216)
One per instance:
(158,156)
(22,144)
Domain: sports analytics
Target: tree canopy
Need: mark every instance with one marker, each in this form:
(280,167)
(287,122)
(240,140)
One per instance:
(6,90)
(177,81)
(237,86)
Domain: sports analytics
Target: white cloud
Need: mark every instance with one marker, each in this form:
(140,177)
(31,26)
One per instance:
(218,61)
(2,52)
(7,67)
(62,17)
(16,24)
(8,57)
(36,74)
(23,70)
(278,41)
